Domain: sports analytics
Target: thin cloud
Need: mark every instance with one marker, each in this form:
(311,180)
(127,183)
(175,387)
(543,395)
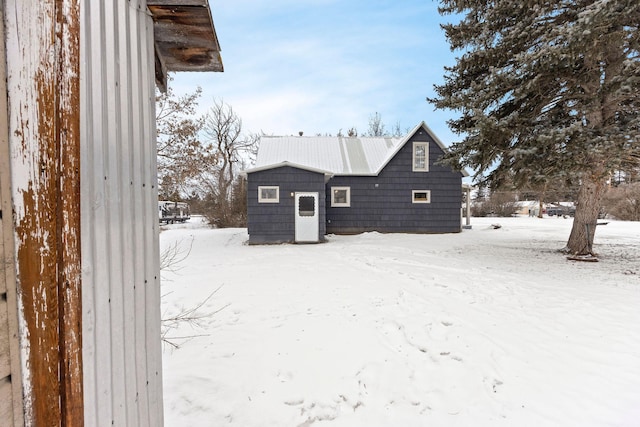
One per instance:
(323,65)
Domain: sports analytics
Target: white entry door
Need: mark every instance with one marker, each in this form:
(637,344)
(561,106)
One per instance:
(307,218)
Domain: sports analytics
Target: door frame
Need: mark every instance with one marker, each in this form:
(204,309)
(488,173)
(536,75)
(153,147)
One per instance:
(300,235)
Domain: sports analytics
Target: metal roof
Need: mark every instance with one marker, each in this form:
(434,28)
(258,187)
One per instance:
(334,155)
(338,155)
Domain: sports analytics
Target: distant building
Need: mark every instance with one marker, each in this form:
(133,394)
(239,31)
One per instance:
(527,207)
(561,209)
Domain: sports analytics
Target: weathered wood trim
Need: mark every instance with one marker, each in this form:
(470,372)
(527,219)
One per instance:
(160,70)
(68,215)
(44,99)
(184,35)
(12,411)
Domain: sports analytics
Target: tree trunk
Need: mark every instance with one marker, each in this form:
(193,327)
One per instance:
(586,216)
(540,208)
(593,183)
(542,198)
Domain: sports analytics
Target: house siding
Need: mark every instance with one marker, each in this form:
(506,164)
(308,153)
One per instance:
(388,206)
(275,222)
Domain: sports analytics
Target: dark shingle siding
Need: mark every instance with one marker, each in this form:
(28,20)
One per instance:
(389,208)
(275,222)
(385,208)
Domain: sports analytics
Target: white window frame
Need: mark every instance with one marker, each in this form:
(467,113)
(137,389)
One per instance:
(268,200)
(426,157)
(413,196)
(335,204)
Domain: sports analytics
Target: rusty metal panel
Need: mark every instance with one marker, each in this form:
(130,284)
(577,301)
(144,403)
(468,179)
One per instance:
(121,294)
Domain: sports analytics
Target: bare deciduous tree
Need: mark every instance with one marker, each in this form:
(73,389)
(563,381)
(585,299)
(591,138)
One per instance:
(228,150)
(623,202)
(396,132)
(180,151)
(376,126)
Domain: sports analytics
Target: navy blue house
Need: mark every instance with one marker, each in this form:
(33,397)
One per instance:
(305,187)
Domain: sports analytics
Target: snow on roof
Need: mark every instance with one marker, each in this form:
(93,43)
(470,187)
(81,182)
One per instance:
(285,163)
(338,155)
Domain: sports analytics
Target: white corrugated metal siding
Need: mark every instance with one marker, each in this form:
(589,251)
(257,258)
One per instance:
(120,282)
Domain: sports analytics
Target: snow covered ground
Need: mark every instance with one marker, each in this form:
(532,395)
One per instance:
(488,327)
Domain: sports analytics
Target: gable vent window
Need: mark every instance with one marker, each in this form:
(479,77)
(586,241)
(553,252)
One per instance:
(340,197)
(421,196)
(420,156)
(268,194)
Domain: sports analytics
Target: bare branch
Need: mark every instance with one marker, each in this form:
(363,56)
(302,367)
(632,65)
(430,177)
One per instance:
(173,255)
(192,317)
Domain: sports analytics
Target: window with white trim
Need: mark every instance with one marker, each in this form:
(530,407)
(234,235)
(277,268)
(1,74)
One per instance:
(268,194)
(420,156)
(340,197)
(421,196)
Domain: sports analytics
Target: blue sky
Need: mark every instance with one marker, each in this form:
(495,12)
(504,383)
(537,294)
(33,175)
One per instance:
(319,66)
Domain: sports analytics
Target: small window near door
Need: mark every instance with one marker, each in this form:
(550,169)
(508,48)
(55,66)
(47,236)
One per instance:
(421,196)
(268,194)
(340,197)
(420,156)
(306,206)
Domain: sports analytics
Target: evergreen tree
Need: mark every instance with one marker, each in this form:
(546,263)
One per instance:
(546,90)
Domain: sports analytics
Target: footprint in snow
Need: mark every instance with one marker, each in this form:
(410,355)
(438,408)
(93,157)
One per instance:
(294,402)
